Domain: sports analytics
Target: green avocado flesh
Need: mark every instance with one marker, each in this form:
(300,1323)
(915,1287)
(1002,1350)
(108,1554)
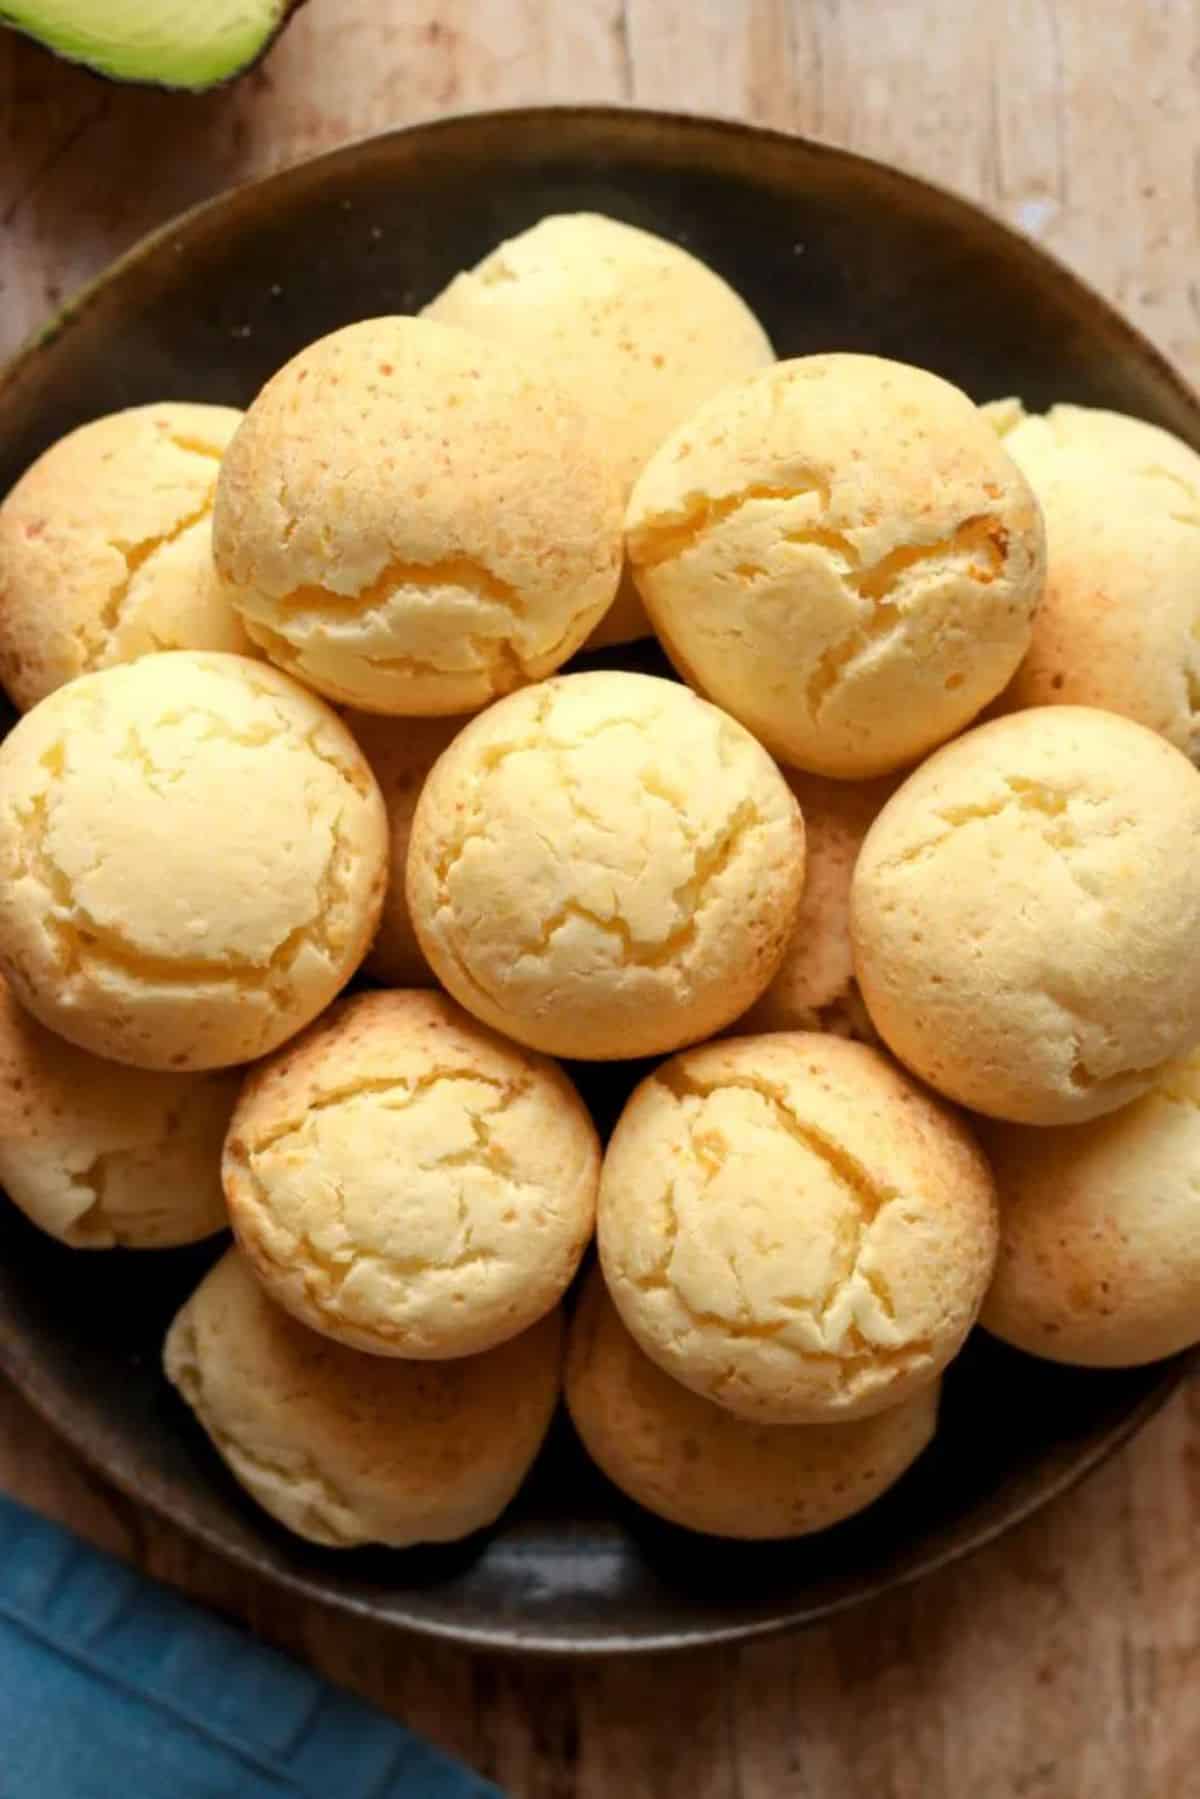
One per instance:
(174,43)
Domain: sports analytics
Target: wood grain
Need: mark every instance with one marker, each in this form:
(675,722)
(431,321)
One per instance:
(1060,1664)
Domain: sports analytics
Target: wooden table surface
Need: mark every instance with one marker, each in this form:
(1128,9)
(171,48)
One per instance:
(1061,1662)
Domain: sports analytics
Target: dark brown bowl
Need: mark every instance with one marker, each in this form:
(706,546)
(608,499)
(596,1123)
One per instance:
(833,252)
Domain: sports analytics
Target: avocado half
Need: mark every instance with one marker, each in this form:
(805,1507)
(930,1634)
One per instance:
(190,44)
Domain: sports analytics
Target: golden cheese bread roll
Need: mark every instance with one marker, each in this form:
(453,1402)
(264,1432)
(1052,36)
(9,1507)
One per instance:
(193,854)
(346,1449)
(102,1156)
(1099,1254)
(1025,911)
(410,1183)
(793,1229)
(840,552)
(1117,623)
(416,520)
(696,1464)
(106,548)
(605,866)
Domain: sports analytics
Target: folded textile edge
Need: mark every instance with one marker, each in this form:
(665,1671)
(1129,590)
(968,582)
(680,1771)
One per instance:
(110,1684)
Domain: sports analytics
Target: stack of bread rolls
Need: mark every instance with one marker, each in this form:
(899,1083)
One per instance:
(918,993)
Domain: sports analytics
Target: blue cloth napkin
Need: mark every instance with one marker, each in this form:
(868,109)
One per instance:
(113,1688)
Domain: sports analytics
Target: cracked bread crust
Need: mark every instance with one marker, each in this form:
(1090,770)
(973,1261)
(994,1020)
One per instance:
(1025,912)
(346,1449)
(814,988)
(793,1229)
(192,860)
(416,521)
(699,1466)
(840,552)
(1099,1258)
(106,549)
(1119,624)
(408,1182)
(605,866)
(105,1157)
(639,332)
(401,753)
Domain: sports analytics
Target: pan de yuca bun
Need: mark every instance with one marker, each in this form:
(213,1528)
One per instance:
(840,552)
(1116,627)
(605,866)
(416,520)
(1099,1257)
(697,1465)
(1025,913)
(102,1156)
(410,1183)
(348,1449)
(192,859)
(106,548)
(792,1228)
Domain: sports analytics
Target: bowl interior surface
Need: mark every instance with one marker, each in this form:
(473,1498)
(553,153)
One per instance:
(832,252)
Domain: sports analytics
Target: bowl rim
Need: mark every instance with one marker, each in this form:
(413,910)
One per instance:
(531,1640)
(614,116)
(20,1367)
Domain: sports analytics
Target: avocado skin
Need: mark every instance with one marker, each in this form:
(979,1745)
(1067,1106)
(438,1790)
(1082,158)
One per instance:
(160,85)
